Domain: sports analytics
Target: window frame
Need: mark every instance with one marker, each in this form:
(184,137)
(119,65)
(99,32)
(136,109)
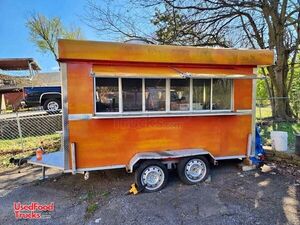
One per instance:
(144,97)
(143,84)
(95,99)
(210,97)
(168,100)
(231,97)
(169,91)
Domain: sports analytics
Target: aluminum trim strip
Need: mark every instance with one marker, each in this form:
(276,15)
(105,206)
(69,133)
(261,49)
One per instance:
(44,165)
(186,114)
(170,154)
(79,170)
(245,111)
(73,117)
(230,157)
(65,126)
(252,149)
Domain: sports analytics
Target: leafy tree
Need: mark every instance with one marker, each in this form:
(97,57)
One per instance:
(261,90)
(44,32)
(177,28)
(294,93)
(258,24)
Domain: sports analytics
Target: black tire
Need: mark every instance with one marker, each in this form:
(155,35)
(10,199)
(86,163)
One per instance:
(49,101)
(181,169)
(143,168)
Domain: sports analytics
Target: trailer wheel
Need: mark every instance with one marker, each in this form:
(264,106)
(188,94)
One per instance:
(193,170)
(151,176)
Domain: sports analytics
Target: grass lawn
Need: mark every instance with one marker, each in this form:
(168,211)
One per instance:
(18,148)
(263,112)
(290,128)
(268,126)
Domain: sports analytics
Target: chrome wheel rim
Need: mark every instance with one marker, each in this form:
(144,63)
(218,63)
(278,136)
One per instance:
(152,177)
(195,170)
(53,106)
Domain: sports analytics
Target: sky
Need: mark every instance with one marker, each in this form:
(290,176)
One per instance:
(14,35)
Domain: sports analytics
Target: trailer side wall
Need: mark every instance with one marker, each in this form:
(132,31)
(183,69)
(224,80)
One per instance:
(109,142)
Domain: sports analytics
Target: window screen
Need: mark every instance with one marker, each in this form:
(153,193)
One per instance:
(201,94)
(221,98)
(155,94)
(180,94)
(132,94)
(107,95)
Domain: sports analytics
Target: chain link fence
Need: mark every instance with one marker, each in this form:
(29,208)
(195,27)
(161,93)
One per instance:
(21,133)
(267,123)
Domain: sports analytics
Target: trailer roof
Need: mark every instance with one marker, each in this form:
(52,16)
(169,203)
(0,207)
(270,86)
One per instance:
(18,64)
(141,53)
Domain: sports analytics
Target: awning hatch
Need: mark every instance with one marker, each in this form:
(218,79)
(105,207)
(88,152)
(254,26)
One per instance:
(135,71)
(160,72)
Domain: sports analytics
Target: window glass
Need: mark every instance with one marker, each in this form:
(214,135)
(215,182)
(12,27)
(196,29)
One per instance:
(221,98)
(201,94)
(132,94)
(107,95)
(155,94)
(180,94)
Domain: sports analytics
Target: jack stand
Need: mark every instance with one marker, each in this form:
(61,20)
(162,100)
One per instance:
(247,165)
(247,161)
(43,174)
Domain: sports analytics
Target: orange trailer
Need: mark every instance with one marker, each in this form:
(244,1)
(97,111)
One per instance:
(147,108)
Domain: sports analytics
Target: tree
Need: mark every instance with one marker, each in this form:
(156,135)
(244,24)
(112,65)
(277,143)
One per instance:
(174,27)
(258,24)
(44,32)
(294,93)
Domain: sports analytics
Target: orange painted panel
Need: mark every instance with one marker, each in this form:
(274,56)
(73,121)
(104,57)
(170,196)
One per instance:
(80,89)
(125,52)
(242,94)
(103,142)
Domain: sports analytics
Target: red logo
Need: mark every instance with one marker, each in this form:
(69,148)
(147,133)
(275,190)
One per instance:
(34,210)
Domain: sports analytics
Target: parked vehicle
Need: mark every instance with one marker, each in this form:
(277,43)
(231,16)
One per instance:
(47,97)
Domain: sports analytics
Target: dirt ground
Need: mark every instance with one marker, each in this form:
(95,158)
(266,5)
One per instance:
(231,197)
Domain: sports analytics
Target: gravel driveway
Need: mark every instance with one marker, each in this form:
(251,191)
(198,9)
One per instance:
(232,197)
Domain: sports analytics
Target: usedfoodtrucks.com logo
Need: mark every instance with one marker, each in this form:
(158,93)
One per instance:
(34,210)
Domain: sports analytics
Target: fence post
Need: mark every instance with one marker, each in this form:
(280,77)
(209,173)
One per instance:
(19,129)
(260,105)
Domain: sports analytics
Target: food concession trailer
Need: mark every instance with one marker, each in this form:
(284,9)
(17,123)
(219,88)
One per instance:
(149,108)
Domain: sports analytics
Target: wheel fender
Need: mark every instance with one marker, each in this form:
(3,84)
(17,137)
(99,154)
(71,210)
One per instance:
(170,154)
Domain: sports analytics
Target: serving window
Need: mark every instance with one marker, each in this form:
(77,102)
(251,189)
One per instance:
(201,94)
(155,94)
(180,95)
(221,95)
(150,95)
(132,94)
(107,95)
